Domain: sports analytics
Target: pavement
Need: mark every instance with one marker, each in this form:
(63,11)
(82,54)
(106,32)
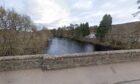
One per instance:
(121,73)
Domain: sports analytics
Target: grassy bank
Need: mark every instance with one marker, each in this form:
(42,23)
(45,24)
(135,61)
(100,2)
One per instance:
(114,45)
(105,43)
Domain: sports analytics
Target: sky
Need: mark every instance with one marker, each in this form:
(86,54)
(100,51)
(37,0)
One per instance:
(56,13)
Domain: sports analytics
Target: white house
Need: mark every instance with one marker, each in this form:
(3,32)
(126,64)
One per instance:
(91,35)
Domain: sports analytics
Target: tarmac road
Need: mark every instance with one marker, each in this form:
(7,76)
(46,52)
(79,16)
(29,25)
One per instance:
(122,73)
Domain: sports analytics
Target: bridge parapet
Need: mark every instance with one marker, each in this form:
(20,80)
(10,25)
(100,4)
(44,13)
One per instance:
(9,63)
(86,59)
(47,62)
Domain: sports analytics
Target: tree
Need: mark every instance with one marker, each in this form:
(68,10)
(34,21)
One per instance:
(104,27)
(87,29)
(83,30)
(19,35)
(135,14)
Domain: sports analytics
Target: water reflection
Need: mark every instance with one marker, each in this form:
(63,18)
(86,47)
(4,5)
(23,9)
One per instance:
(59,46)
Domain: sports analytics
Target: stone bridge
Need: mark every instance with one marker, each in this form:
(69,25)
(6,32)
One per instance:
(107,67)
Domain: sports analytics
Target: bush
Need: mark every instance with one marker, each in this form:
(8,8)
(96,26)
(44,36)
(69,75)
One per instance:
(18,34)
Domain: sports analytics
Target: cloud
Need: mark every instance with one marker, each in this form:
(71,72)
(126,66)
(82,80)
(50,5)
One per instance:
(83,5)
(55,13)
(10,4)
(41,11)
(46,11)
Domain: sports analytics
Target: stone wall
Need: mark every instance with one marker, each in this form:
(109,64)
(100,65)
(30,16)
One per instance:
(9,63)
(47,62)
(95,58)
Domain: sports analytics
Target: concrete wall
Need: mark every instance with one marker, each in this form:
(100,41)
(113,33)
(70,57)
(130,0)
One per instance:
(47,62)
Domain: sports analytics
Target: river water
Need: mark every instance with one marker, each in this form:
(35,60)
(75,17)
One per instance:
(60,46)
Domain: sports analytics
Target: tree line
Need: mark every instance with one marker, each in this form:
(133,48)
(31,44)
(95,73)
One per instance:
(74,31)
(19,35)
(80,31)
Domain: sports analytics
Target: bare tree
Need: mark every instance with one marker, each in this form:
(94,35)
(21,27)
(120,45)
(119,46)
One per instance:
(17,35)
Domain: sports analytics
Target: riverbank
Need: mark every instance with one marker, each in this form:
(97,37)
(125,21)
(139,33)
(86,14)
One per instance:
(115,45)
(105,43)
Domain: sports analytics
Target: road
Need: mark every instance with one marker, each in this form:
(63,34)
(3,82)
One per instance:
(122,73)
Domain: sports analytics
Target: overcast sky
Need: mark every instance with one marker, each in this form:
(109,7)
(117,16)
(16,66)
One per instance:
(54,13)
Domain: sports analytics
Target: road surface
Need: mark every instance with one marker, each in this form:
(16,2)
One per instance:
(122,73)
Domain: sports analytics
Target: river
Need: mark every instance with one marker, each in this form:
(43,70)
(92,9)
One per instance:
(60,46)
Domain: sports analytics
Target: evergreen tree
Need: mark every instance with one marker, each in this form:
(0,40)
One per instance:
(104,27)
(87,29)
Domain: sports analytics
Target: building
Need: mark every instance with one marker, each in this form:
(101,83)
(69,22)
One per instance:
(91,35)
